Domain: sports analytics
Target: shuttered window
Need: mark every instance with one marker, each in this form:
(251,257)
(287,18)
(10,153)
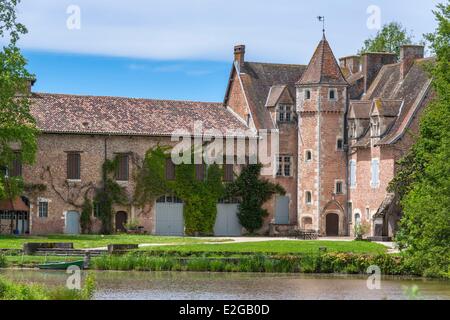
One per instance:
(375,173)
(16,166)
(228,174)
(352,173)
(170,169)
(73,166)
(200,172)
(122,170)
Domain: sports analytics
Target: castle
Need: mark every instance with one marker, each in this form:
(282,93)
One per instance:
(342,126)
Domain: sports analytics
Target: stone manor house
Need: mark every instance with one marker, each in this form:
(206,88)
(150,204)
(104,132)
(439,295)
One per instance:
(342,127)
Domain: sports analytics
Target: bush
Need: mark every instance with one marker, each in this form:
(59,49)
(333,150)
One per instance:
(3,262)
(10,290)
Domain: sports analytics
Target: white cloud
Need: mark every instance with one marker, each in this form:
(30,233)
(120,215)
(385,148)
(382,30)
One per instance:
(284,30)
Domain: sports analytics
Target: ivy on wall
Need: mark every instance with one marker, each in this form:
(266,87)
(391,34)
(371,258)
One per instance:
(200,197)
(85,218)
(111,193)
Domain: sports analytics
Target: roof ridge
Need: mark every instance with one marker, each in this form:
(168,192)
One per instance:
(124,98)
(278,64)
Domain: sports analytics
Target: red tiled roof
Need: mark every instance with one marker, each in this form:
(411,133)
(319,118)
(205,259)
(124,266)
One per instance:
(359,109)
(323,67)
(258,78)
(13,205)
(60,113)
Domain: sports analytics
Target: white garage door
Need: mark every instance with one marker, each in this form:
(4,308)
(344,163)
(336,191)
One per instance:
(169,216)
(227,221)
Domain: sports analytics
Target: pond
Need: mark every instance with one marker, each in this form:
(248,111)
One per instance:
(128,285)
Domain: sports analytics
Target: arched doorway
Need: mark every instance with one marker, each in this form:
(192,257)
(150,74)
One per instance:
(121,220)
(332,225)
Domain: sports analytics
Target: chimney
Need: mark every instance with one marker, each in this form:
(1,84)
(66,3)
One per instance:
(26,87)
(350,63)
(372,62)
(239,54)
(409,53)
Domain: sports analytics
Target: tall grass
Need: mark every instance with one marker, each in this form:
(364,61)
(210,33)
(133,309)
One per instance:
(10,290)
(314,263)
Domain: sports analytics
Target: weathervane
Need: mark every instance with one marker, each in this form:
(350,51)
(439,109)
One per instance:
(322,19)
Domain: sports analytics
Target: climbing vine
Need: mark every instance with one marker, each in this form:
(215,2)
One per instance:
(85,218)
(111,193)
(200,197)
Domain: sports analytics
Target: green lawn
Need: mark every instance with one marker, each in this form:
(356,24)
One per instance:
(279,247)
(94,241)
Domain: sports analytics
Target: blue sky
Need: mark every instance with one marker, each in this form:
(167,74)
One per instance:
(182,49)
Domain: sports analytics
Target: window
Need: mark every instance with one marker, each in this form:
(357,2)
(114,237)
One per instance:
(349,211)
(339,144)
(307,94)
(228,174)
(200,171)
(338,187)
(284,113)
(73,166)
(353,130)
(122,170)
(352,175)
(248,119)
(284,168)
(375,173)
(43,209)
(308,155)
(375,128)
(332,94)
(170,169)
(367,213)
(96,208)
(16,166)
(308,197)
(357,219)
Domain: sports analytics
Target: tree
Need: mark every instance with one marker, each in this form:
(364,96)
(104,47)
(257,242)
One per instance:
(389,39)
(17,126)
(253,192)
(423,180)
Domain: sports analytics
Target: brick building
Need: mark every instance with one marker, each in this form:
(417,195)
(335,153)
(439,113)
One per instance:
(341,125)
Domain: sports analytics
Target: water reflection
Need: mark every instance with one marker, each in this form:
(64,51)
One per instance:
(232,286)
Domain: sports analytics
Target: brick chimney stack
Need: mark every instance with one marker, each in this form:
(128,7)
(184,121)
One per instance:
(372,62)
(239,54)
(409,53)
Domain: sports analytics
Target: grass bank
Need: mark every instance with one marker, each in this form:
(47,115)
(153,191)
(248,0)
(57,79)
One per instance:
(95,241)
(279,246)
(10,290)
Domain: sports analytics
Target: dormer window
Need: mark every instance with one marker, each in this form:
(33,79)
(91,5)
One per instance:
(375,128)
(353,129)
(307,94)
(332,95)
(284,113)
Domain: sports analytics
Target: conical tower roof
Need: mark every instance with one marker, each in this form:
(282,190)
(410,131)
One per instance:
(323,67)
